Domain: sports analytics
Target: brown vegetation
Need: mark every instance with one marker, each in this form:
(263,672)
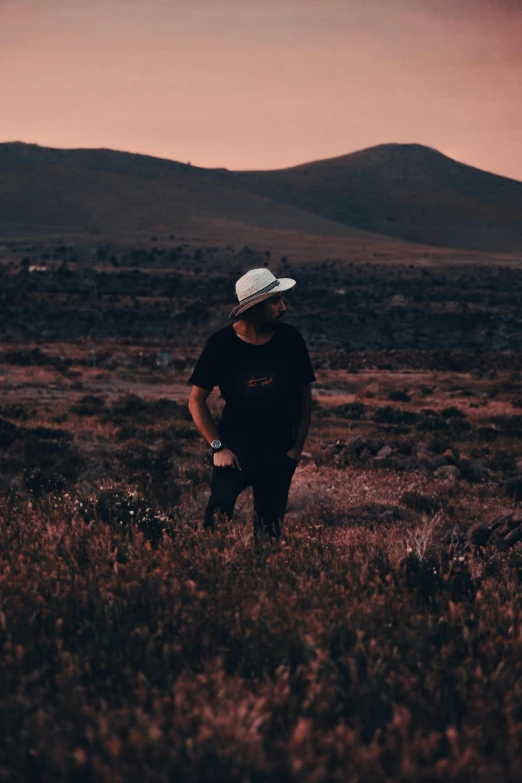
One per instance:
(378,640)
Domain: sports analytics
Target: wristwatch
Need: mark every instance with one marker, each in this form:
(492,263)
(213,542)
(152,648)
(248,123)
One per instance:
(216,445)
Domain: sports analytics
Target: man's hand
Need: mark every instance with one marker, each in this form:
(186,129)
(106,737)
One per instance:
(224,458)
(295,453)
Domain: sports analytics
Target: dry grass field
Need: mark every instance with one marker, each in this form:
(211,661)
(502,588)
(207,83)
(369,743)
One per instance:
(378,640)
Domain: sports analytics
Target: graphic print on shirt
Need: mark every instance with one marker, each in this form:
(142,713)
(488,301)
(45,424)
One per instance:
(263,381)
(259,383)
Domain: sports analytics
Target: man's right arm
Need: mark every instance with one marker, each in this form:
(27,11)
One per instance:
(200,412)
(203,420)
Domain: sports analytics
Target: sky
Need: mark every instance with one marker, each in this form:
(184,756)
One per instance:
(265,84)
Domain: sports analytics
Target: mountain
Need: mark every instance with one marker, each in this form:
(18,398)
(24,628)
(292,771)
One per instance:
(401,193)
(44,190)
(404,190)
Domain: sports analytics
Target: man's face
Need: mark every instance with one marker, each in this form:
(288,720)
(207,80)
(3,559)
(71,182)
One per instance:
(273,310)
(270,311)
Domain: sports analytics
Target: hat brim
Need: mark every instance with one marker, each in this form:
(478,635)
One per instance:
(284,284)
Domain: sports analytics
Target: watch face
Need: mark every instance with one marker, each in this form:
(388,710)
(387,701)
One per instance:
(216,444)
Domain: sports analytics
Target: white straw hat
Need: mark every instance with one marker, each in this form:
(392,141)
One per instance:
(256,285)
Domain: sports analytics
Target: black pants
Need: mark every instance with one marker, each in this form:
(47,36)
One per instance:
(268,472)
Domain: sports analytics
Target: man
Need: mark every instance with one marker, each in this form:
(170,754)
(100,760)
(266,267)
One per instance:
(264,372)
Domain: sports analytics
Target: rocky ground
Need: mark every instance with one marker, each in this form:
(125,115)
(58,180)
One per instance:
(392,649)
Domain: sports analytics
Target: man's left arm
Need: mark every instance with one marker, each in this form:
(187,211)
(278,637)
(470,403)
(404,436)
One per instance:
(305,410)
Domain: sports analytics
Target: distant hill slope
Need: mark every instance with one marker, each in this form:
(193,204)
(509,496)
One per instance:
(44,190)
(404,190)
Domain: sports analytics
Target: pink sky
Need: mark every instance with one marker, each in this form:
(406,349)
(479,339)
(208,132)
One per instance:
(267,83)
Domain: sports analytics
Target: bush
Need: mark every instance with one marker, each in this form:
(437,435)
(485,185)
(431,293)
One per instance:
(88,405)
(49,464)
(8,433)
(433,424)
(423,503)
(452,412)
(350,410)
(15,411)
(503,461)
(390,415)
(514,488)
(399,396)
(143,411)
(119,507)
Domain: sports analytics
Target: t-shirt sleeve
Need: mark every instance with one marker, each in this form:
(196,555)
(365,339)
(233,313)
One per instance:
(304,372)
(205,372)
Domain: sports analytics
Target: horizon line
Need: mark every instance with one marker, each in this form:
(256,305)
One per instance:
(250,170)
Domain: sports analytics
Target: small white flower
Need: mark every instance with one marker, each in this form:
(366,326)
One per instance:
(131,513)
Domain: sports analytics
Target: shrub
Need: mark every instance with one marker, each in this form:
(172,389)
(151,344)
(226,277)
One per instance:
(514,488)
(390,415)
(8,433)
(50,464)
(88,405)
(432,424)
(399,396)
(452,412)
(422,503)
(120,507)
(15,411)
(351,410)
(503,461)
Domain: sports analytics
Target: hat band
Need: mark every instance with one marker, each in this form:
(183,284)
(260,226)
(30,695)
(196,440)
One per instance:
(268,287)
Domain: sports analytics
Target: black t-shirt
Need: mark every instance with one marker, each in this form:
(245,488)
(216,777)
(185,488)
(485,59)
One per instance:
(260,384)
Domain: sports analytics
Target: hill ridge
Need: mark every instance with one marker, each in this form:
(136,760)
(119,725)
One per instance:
(407,192)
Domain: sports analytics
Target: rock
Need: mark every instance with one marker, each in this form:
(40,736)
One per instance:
(428,458)
(514,536)
(306,454)
(336,447)
(473,469)
(375,445)
(479,533)
(399,461)
(427,462)
(505,528)
(371,389)
(357,444)
(365,454)
(423,445)
(447,472)
(422,451)
(506,520)
(384,452)
(391,514)
(450,457)
(478,465)
(503,532)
